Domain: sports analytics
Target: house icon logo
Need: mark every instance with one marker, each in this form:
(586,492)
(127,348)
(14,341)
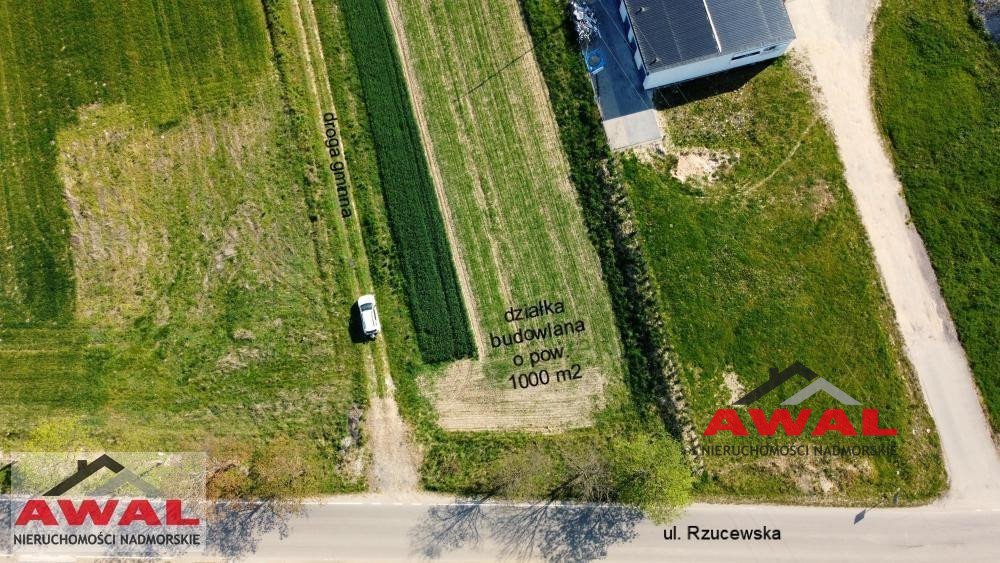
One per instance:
(816,384)
(123,476)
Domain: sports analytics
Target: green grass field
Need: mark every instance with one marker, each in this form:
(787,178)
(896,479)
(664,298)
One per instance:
(762,262)
(176,272)
(518,231)
(936,80)
(47,76)
(458,461)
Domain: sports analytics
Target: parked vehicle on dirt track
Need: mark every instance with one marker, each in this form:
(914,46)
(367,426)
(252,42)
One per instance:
(370,324)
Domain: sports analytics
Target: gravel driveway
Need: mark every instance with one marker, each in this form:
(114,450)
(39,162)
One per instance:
(834,36)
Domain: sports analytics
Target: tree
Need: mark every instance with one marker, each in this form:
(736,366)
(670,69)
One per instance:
(524,473)
(588,472)
(651,474)
(648,472)
(227,471)
(280,470)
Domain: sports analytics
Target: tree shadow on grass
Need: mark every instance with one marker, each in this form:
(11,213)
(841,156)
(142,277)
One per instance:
(545,530)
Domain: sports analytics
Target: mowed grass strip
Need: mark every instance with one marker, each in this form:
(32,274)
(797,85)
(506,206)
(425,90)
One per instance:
(936,81)
(398,335)
(62,355)
(424,256)
(516,219)
(763,262)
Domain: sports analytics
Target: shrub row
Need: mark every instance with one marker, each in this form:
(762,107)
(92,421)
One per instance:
(412,208)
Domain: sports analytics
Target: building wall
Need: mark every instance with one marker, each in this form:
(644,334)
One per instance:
(709,66)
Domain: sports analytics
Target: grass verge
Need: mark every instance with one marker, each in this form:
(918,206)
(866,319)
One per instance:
(761,261)
(936,82)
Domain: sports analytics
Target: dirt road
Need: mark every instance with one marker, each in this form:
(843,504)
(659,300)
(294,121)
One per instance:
(835,37)
(394,460)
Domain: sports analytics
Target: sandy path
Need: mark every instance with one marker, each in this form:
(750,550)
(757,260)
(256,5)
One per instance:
(394,464)
(835,37)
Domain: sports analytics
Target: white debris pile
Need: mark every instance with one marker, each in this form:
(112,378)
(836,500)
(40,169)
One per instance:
(586,23)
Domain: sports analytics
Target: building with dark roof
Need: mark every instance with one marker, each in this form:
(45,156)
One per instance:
(677,40)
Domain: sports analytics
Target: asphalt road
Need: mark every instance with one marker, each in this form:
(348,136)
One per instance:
(428,527)
(381,532)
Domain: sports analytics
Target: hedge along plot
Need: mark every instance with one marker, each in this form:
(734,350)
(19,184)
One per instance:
(415,219)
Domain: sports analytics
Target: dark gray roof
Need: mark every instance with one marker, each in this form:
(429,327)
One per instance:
(674,32)
(671,31)
(747,24)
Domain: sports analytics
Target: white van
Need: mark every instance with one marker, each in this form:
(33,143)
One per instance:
(370,324)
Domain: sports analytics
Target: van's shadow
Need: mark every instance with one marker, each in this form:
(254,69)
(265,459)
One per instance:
(354,326)
(544,530)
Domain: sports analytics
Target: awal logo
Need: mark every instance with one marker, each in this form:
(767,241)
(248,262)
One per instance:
(115,504)
(831,420)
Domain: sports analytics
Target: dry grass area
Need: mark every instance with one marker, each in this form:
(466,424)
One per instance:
(119,174)
(207,299)
(194,233)
(699,164)
(512,215)
(465,399)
